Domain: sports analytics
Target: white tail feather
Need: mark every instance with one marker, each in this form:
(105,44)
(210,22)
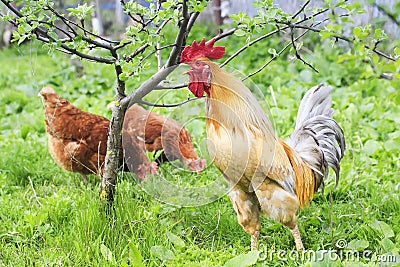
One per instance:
(318,138)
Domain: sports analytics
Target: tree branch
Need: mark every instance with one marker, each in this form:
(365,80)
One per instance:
(168,105)
(136,52)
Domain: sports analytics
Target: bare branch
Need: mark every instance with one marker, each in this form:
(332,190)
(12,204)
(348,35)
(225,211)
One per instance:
(374,49)
(168,105)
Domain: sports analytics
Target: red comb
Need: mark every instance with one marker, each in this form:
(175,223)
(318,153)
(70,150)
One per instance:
(202,49)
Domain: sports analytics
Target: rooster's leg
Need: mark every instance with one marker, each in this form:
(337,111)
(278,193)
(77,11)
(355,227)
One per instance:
(297,239)
(281,206)
(248,213)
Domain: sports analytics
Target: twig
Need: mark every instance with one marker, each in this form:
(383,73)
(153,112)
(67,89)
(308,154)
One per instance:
(145,46)
(180,38)
(391,16)
(340,37)
(301,9)
(226,34)
(158,51)
(67,22)
(133,18)
(273,58)
(168,105)
(298,56)
(247,46)
(270,34)
(177,86)
(136,52)
(34,192)
(192,20)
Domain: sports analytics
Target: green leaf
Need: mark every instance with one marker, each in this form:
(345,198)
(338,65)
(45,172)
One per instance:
(387,245)
(397,51)
(176,240)
(240,32)
(272,51)
(162,253)
(391,145)
(383,227)
(386,229)
(371,146)
(123,77)
(107,254)
(166,5)
(135,256)
(81,11)
(357,32)
(243,260)
(358,245)
(325,34)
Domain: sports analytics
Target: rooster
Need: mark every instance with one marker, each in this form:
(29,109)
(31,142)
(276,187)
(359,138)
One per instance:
(267,175)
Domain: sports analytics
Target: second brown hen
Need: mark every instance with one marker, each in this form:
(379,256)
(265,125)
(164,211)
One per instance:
(156,132)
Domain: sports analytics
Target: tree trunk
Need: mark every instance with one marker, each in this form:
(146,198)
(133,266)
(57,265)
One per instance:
(114,141)
(114,150)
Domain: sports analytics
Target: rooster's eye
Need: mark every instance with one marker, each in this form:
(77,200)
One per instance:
(198,63)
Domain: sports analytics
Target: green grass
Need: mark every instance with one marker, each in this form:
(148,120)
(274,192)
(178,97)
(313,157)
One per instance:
(49,217)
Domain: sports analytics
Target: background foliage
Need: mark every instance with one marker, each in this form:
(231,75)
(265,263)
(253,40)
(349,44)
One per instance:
(49,217)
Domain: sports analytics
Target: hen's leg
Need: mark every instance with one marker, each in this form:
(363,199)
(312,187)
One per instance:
(280,205)
(85,179)
(248,212)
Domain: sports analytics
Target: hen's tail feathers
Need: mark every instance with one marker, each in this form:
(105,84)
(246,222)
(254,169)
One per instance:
(318,139)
